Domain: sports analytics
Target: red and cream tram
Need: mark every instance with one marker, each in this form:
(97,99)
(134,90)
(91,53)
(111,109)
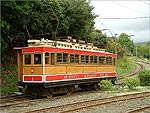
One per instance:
(49,67)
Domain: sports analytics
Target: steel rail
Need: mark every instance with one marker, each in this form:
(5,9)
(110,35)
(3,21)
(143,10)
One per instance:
(139,109)
(21,102)
(105,103)
(86,104)
(12,99)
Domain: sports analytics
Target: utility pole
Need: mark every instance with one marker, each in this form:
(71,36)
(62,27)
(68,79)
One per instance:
(135,46)
(115,43)
(136,53)
(116,53)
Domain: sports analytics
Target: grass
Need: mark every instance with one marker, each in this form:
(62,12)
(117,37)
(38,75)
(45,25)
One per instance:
(125,65)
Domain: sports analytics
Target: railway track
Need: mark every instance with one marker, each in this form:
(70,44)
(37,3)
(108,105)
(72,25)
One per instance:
(141,67)
(13,98)
(76,106)
(141,109)
(4,97)
(19,101)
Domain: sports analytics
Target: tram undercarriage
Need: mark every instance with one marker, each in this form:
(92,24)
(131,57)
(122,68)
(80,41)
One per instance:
(36,90)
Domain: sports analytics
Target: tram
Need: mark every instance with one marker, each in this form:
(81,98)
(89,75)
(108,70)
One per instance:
(47,67)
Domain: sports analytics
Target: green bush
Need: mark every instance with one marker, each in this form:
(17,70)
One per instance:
(144,77)
(131,82)
(106,85)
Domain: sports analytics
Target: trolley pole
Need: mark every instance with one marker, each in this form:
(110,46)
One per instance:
(116,54)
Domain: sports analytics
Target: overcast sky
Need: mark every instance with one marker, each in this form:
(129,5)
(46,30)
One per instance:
(139,27)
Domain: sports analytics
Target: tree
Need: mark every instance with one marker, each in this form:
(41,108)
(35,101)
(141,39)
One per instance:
(23,20)
(44,17)
(77,19)
(13,32)
(126,43)
(98,39)
(114,47)
(143,51)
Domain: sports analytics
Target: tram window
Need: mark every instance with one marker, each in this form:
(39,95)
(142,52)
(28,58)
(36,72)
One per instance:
(86,59)
(101,59)
(37,58)
(27,59)
(91,59)
(47,58)
(114,61)
(82,59)
(59,57)
(95,59)
(109,60)
(65,57)
(106,60)
(72,58)
(76,58)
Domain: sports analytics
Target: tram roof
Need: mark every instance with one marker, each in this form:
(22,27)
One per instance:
(65,47)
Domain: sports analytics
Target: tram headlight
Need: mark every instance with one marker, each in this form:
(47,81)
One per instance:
(32,70)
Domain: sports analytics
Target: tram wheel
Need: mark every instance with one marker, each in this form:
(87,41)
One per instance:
(70,90)
(34,96)
(49,96)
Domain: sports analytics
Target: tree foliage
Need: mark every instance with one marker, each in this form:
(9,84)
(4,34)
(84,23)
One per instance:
(126,42)
(144,77)
(114,47)
(98,39)
(21,20)
(143,51)
(13,34)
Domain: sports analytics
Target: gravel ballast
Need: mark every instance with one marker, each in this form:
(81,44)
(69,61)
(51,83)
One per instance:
(119,107)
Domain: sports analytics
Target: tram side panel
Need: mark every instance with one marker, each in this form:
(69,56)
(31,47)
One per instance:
(35,75)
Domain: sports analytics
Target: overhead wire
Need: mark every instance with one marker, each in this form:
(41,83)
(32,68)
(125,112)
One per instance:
(99,20)
(143,1)
(130,8)
(105,26)
(128,18)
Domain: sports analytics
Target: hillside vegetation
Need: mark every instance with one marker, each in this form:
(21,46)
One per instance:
(125,65)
